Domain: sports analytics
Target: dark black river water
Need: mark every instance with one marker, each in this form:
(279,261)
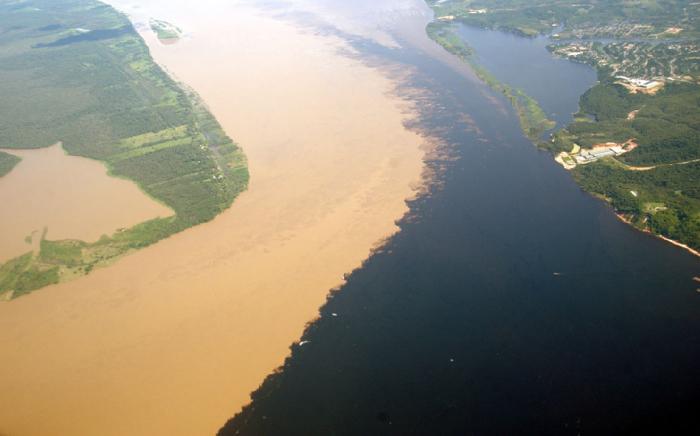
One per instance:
(510,302)
(526,63)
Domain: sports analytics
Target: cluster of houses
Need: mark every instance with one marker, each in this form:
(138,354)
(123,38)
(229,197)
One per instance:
(634,85)
(470,11)
(572,50)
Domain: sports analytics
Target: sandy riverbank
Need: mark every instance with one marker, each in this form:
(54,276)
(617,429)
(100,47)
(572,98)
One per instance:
(685,247)
(171,340)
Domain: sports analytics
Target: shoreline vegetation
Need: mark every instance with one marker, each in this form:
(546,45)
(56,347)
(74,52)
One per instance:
(533,119)
(635,142)
(116,105)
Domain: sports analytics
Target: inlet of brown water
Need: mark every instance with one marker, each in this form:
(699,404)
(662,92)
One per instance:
(71,197)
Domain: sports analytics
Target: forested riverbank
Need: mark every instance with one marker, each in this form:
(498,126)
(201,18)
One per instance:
(77,72)
(647,95)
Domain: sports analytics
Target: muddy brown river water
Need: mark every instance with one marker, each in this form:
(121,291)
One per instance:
(71,197)
(172,339)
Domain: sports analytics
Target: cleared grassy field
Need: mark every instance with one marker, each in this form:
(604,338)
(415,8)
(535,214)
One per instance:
(76,71)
